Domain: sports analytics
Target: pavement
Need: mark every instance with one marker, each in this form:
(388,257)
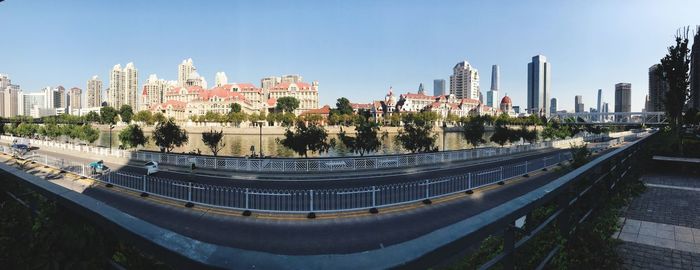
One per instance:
(661,228)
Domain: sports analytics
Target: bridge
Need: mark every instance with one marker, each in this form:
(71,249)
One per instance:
(614,118)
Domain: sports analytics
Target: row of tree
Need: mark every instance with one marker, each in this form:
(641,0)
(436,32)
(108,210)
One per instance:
(84,132)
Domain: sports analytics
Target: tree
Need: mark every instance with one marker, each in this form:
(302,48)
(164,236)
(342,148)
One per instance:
(674,70)
(108,115)
(417,133)
(473,130)
(125,112)
(365,139)
(287,104)
(212,139)
(288,119)
(144,116)
(25,129)
(501,134)
(236,118)
(132,136)
(235,108)
(579,154)
(92,117)
(306,138)
(89,134)
(159,118)
(528,135)
(343,106)
(168,135)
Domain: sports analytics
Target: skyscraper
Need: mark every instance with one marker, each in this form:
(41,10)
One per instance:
(578,104)
(600,99)
(123,86)
(75,98)
(553,105)
(10,100)
(492,95)
(61,101)
(695,72)
(623,99)
(421,89)
(439,87)
(33,102)
(605,109)
(464,82)
(220,79)
(658,87)
(538,85)
(154,91)
(183,72)
(94,92)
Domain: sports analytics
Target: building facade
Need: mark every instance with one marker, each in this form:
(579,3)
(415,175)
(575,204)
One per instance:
(464,81)
(553,105)
(123,86)
(578,104)
(183,72)
(492,94)
(307,94)
(75,98)
(623,99)
(220,79)
(439,87)
(93,97)
(599,103)
(538,85)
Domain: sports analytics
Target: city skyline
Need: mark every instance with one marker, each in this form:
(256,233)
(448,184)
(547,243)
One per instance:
(389,61)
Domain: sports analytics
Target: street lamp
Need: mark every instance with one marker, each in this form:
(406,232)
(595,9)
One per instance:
(110,137)
(260,123)
(444,134)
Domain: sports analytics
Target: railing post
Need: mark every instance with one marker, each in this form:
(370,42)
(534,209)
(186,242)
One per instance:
(311,200)
(509,247)
(246,198)
(374,196)
(144,183)
(427,189)
(469,175)
(189,192)
(501,173)
(526,167)
(215,161)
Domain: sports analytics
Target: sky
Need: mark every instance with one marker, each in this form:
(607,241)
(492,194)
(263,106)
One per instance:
(354,49)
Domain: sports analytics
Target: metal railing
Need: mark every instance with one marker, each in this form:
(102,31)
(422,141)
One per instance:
(308,164)
(319,200)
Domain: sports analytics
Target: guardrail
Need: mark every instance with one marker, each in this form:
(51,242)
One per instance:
(308,164)
(322,200)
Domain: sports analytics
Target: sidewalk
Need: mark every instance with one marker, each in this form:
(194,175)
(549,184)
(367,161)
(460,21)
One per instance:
(661,227)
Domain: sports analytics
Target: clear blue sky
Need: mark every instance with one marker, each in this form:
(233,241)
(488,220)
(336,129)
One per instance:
(355,49)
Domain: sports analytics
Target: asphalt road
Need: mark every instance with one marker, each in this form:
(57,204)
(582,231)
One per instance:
(329,183)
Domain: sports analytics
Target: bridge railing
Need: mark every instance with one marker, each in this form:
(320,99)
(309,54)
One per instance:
(308,164)
(320,200)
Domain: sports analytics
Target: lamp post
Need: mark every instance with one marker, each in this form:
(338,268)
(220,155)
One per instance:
(444,134)
(110,137)
(260,123)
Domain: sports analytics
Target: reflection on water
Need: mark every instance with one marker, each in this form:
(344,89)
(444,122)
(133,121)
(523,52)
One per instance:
(240,145)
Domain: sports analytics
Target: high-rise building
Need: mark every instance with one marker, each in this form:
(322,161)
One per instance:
(4,81)
(183,72)
(647,104)
(623,99)
(695,72)
(439,87)
(50,96)
(220,79)
(604,109)
(10,100)
(33,102)
(464,82)
(492,94)
(658,87)
(94,92)
(75,98)
(131,85)
(553,105)
(539,73)
(600,99)
(154,91)
(123,85)
(62,101)
(578,104)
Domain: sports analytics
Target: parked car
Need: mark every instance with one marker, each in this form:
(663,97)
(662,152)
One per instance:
(19,149)
(98,167)
(151,167)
